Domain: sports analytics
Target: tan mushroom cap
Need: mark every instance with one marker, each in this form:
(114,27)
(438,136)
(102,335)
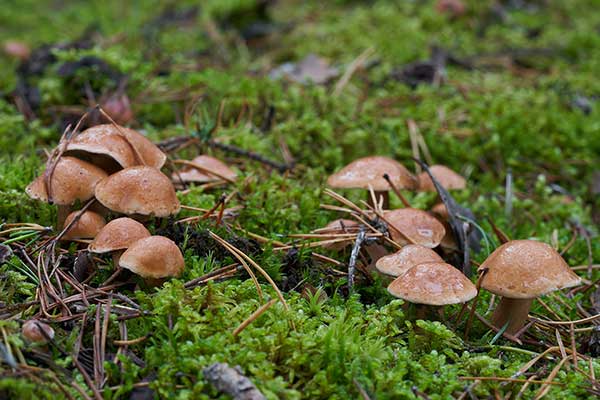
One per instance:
(138,190)
(404,259)
(435,284)
(153,257)
(444,175)
(118,234)
(526,269)
(416,225)
(361,173)
(86,227)
(336,227)
(72,180)
(106,140)
(191,174)
(441,211)
(37,331)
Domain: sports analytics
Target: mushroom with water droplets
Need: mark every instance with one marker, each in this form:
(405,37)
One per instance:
(153,258)
(117,236)
(204,169)
(72,180)
(520,271)
(411,225)
(138,190)
(433,284)
(87,225)
(369,171)
(400,262)
(113,148)
(449,179)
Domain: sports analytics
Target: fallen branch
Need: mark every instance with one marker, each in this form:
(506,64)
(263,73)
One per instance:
(232,382)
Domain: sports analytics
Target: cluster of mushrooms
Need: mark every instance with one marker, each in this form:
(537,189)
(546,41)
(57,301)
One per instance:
(116,171)
(518,271)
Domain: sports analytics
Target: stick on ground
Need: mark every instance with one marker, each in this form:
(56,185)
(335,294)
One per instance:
(231,381)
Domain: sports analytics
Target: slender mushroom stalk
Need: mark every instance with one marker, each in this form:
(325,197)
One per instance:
(520,271)
(384,194)
(513,312)
(62,212)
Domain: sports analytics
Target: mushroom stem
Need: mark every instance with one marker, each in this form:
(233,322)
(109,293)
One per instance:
(511,311)
(375,251)
(378,194)
(116,255)
(62,212)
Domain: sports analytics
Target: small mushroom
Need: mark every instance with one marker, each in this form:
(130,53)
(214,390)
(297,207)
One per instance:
(202,173)
(404,259)
(117,236)
(153,258)
(336,227)
(73,180)
(445,176)
(86,227)
(520,271)
(105,146)
(138,190)
(369,171)
(16,49)
(37,332)
(433,284)
(411,225)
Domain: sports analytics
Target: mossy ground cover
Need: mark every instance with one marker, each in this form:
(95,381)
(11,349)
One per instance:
(526,106)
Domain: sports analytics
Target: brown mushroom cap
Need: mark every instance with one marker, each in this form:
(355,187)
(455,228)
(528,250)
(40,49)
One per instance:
(118,234)
(444,175)
(404,259)
(86,227)
(105,141)
(526,269)
(441,211)
(435,284)
(72,180)
(138,190)
(361,173)
(335,227)
(153,257)
(37,331)
(416,225)
(191,174)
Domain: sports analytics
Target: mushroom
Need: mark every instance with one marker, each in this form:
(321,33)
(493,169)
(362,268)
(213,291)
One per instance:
(432,284)
(336,227)
(138,190)
(113,148)
(37,332)
(72,180)
(153,258)
(411,225)
(444,175)
(520,271)
(404,259)
(204,169)
(369,171)
(86,227)
(117,236)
